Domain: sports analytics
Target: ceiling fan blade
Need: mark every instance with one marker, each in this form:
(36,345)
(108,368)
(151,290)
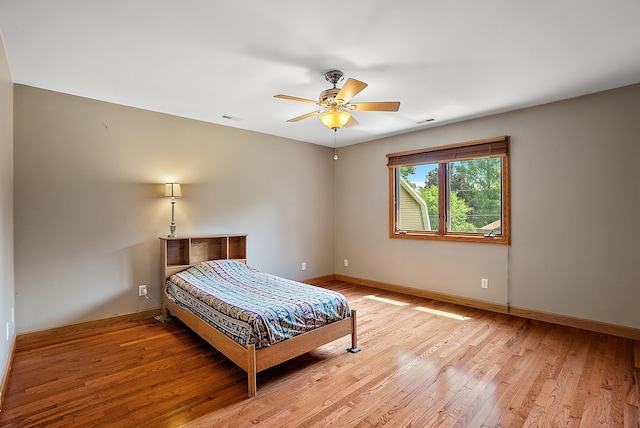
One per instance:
(289,97)
(304,116)
(378,106)
(351,122)
(350,89)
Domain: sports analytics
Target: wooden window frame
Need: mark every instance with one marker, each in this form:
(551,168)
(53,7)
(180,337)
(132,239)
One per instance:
(488,147)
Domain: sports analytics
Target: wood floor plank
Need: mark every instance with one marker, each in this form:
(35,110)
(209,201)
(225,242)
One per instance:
(423,363)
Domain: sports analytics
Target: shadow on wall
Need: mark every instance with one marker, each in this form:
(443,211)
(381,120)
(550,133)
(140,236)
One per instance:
(123,271)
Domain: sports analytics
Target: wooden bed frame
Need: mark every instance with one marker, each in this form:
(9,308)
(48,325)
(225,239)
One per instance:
(254,360)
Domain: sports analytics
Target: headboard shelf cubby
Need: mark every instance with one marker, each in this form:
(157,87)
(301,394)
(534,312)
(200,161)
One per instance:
(181,252)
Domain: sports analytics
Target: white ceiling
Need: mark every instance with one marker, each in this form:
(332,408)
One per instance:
(446,60)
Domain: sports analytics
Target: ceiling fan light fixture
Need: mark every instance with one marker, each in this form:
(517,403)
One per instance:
(335,118)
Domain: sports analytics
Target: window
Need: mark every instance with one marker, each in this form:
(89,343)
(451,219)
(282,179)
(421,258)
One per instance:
(458,192)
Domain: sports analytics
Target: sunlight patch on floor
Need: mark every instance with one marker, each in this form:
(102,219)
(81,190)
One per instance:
(384,300)
(442,313)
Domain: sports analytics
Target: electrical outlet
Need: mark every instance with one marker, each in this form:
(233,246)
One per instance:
(485,283)
(304,266)
(346,263)
(142,290)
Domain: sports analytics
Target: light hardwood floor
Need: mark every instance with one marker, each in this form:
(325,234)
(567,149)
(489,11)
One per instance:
(423,364)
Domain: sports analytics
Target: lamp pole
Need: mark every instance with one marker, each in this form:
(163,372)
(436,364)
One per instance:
(172,227)
(173,191)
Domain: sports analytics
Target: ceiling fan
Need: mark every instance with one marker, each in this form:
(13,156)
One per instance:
(335,112)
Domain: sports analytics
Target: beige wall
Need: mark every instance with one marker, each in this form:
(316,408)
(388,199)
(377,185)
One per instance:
(575,210)
(89,213)
(6,210)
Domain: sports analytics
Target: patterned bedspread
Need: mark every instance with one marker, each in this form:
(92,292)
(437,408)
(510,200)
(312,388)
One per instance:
(254,307)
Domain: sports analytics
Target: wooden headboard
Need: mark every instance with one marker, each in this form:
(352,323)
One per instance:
(182,252)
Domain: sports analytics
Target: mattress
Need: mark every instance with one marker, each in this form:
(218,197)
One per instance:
(252,307)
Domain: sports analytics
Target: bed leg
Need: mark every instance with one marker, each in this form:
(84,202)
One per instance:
(251,370)
(354,333)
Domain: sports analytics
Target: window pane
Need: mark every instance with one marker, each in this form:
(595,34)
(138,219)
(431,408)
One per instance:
(417,205)
(475,196)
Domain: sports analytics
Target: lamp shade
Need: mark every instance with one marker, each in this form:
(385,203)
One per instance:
(172,190)
(335,118)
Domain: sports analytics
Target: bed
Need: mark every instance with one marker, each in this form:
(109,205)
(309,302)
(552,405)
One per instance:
(257,320)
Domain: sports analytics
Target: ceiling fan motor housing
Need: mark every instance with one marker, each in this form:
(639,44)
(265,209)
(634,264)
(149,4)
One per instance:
(327,97)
